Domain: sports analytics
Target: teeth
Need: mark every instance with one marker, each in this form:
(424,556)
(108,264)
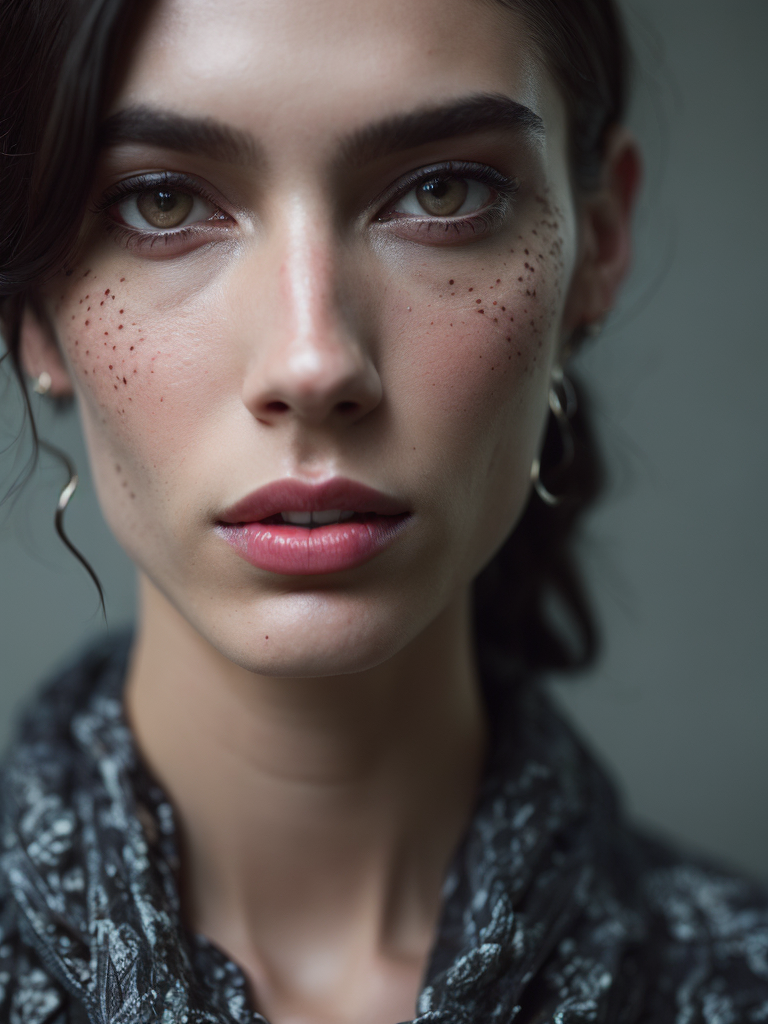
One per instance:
(297,518)
(316,518)
(325,518)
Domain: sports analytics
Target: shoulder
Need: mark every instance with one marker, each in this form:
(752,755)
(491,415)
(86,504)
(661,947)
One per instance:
(28,993)
(708,940)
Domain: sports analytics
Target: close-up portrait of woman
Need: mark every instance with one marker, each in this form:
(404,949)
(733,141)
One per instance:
(316,277)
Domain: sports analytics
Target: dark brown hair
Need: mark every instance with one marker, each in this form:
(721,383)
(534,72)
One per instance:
(56,60)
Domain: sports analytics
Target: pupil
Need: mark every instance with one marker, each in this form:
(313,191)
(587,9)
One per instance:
(165,201)
(437,188)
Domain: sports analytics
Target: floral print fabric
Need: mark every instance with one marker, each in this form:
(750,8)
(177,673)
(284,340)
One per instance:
(554,909)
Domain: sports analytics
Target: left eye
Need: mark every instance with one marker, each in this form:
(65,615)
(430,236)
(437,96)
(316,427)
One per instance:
(444,196)
(163,209)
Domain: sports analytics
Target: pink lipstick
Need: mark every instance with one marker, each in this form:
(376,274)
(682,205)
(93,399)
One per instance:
(301,529)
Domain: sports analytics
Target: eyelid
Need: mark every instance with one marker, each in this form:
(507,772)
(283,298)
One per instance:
(504,185)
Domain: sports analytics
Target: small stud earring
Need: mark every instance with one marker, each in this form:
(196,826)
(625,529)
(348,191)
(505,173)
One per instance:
(43,383)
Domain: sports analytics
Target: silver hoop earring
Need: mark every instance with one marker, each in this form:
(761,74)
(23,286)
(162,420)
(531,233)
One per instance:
(65,497)
(42,383)
(562,405)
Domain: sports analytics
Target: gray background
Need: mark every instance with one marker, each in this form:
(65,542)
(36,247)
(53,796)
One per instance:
(677,554)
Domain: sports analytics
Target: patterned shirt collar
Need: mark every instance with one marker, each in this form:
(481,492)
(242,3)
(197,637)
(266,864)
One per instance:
(90,852)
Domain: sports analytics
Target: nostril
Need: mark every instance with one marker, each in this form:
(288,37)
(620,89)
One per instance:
(277,407)
(347,406)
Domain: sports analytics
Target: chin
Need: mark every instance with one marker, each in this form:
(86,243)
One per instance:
(312,635)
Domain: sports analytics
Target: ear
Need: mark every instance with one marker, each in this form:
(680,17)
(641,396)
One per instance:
(40,351)
(605,250)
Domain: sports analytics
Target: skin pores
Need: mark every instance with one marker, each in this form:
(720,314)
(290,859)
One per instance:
(309,333)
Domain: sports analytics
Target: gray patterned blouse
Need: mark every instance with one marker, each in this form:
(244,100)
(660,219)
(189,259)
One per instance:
(554,909)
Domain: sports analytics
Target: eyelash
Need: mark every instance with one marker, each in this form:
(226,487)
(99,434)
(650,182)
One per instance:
(136,239)
(464,226)
(423,228)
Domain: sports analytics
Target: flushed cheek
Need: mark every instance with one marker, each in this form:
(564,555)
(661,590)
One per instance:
(134,369)
(471,371)
(481,345)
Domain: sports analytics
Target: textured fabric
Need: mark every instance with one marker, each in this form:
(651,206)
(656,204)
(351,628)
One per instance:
(554,910)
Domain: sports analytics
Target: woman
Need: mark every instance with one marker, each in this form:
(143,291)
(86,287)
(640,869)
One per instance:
(313,272)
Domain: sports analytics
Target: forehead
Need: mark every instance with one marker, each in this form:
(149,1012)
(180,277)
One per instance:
(309,70)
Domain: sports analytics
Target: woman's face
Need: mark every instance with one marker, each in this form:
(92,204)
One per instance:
(336,242)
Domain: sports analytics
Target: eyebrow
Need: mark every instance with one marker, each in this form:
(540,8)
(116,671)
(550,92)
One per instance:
(468,116)
(169,130)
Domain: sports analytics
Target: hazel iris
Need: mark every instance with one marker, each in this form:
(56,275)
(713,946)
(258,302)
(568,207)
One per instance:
(163,208)
(442,197)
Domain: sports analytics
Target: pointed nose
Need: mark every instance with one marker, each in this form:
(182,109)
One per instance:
(314,365)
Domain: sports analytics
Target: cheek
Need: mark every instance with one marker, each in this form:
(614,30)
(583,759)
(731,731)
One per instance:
(134,371)
(484,340)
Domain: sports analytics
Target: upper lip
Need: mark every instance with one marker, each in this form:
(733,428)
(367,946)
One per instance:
(290,495)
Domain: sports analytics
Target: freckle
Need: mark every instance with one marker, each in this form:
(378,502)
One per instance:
(508,338)
(87,351)
(135,371)
(124,381)
(115,386)
(87,322)
(470,289)
(132,347)
(102,302)
(122,310)
(110,366)
(527,253)
(161,399)
(107,292)
(495,303)
(114,348)
(478,301)
(503,309)
(451,281)
(519,279)
(121,280)
(132,494)
(88,310)
(77,342)
(498,280)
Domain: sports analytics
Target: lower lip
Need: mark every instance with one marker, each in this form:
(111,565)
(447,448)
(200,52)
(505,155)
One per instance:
(297,551)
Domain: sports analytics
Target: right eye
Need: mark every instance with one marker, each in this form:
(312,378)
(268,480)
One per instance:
(163,209)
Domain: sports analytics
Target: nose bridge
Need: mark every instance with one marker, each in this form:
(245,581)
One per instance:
(314,364)
(308,288)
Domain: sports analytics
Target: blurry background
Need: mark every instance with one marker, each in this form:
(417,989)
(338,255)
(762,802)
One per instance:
(677,554)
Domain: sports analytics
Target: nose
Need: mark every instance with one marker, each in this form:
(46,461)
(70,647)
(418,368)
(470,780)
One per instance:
(310,363)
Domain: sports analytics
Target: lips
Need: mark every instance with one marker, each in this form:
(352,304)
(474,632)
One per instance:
(365,522)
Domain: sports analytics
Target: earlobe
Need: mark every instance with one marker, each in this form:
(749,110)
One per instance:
(40,352)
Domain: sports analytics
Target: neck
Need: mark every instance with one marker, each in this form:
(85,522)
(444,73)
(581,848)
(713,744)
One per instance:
(311,810)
